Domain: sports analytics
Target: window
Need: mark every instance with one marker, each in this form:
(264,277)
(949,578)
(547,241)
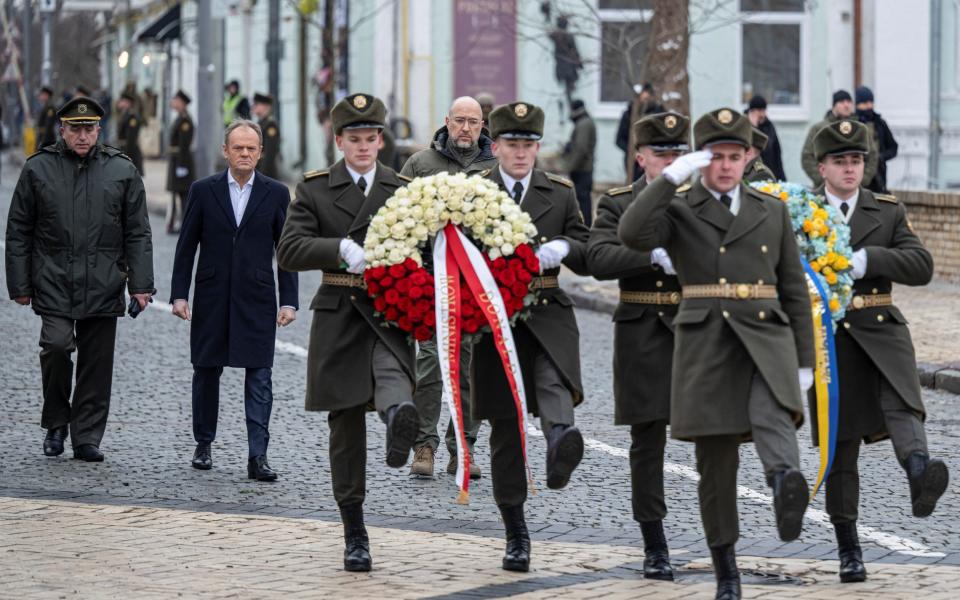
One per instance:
(772,53)
(771,5)
(624,29)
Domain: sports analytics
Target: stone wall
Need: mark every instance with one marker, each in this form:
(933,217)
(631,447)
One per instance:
(935,217)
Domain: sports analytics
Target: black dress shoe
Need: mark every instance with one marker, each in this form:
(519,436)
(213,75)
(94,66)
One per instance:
(403,424)
(564,452)
(53,442)
(656,560)
(790,497)
(725,570)
(516,557)
(88,453)
(257,468)
(201,458)
(356,551)
(852,569)
(928,481)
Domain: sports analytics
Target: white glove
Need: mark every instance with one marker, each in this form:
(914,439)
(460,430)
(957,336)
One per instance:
(660,257)
(806,379)
(859,263)
(352,254)
(681,169)
(552,254)
(181,171)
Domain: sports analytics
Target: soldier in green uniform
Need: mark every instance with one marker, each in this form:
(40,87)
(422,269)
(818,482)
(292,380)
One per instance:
(756,170)
(180,169)
(547,343)
(353,360)
(78,234)
(649,298)
(263,110)
(743,334)
(47,119)
(879,388)
(128,130)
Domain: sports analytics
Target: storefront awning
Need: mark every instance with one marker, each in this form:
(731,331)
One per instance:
(161,29)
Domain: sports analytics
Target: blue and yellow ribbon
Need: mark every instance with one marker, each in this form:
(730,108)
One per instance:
(825,377)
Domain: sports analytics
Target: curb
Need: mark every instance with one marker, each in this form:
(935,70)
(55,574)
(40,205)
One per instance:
(932,376)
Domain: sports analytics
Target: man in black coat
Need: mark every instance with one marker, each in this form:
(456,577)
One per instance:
(771,155)
(881,135)
(237,217)
(645,104)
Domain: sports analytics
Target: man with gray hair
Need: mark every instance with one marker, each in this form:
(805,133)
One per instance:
(461,145)
(236,217)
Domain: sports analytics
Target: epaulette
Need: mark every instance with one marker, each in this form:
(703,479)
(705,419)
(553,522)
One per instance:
(114,151)
(560,180)
(311,174)
(684,188)
(620,190)
(886,198)
(485,172)
(405,178)
(50,148)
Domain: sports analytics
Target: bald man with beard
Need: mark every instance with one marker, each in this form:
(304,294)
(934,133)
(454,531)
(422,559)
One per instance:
(461,145)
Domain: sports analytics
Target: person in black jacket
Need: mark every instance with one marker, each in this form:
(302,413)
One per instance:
(882,137)
(771,156)
(646,105)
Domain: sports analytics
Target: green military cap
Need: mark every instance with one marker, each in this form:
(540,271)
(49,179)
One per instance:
(760,140)
(80,111)
(517,120)
(841,137)
(663,131)
(358,111)
(722,126)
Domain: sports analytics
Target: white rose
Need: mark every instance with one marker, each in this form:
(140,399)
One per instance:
(398,231)
(396,256)
(507,249)
(494,253)
(389,219)
(421,232)
(379,251)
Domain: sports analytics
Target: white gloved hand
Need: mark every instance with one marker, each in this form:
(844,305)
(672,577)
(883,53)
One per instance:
(660,257)
(552,254)
(859,263)
(806,379)
(681,169)
(352,254)
(181,171)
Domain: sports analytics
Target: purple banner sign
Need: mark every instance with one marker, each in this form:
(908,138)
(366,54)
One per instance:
(485,48)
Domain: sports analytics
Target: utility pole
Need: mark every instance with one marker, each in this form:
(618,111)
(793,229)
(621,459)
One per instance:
(274,53)
(207,120)
(47,8)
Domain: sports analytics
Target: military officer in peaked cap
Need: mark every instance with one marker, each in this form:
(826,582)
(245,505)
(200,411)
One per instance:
(879,388)
(263,110)
(547,343)
(128,130)
(181,172)
(352,360)
(756,170)
(649,298)
(743,333)
(47,118)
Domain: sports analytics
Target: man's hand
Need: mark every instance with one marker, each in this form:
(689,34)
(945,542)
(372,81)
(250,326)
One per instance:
(143,300)
(805,375)
(660,257)
(182,309)
(352,254)
(859,263)
(552,254)
(22,300)
(681,169)
(286,316)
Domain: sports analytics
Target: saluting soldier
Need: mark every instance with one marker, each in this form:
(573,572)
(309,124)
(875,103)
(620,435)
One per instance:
(263,110)
(879,388)
(352,360)
(128,130)
(548,343)
(649,298)
(180,171)
(743,333)
(756,169)
(47,119)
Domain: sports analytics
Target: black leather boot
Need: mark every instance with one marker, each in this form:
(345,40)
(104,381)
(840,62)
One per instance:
(851,557)
(928,481)
(517,555)
(564,452)
(403,424)
(725,569)
(356,552)
(656,560)
(88,453)
(53,442)
(790,497)
(259,469)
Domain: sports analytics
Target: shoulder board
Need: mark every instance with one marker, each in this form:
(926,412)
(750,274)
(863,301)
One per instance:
(684,188)
(752,190)
(404,178)
(37,153)
(311,174)
(484,172)
(560,180)
(886,198)
(620,190)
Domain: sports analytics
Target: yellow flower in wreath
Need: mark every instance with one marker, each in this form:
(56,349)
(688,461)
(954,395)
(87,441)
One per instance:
(831,277)
(834,304)
(822,261)
(807,226)
(841,264)
(815,266)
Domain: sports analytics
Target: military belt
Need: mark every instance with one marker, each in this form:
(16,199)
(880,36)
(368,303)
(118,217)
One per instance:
(545,282)
(732,291)
(650,297)
(343,280)
(870,301)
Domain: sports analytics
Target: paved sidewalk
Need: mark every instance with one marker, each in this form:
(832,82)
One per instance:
(60,549)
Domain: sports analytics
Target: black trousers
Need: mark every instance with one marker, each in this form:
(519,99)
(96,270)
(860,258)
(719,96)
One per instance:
(93,340)
(257,403)
(583,186)
(648,441)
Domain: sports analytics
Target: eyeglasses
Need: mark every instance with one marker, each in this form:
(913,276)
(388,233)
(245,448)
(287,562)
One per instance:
(461,121)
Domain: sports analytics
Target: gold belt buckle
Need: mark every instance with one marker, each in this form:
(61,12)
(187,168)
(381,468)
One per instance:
(674,297)
(858,302)
(743,291)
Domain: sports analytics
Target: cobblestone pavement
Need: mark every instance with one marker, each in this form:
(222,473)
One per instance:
(144,520)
